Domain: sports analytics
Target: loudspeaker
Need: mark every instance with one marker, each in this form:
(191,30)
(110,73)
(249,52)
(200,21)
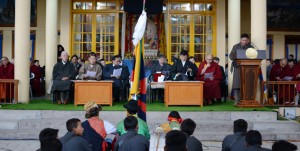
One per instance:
(136,6)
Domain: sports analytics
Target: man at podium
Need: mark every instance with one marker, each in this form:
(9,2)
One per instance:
(243,45)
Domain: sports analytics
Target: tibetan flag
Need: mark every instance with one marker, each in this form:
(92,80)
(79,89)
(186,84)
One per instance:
(138,80)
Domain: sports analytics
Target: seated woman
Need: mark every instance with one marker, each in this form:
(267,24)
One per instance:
(210,73)
(96,129)
(174,122)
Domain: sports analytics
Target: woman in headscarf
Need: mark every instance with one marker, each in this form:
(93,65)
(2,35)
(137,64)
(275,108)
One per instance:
(174,122)
(96,129)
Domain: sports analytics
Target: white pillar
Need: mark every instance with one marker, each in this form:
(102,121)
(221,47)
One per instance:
(259,29)
(65,19)
(22,48)
(234,32)
(221,32)
(51,38)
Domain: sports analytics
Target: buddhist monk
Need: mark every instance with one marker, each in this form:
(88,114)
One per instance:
(6,72)
(210,73)
(36,83)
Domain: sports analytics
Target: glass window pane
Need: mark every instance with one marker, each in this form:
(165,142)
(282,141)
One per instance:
(186,7)
(82,5)
(77,37)
(198,57)
(87,37)
(77,27)
(175,6)
(87,27)
(87,47)
(111,6)
(203,7)
(101,5)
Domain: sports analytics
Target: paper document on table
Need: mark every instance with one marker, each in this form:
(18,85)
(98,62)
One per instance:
(117,72)
(208,75)
(287,78)
(161,78)
(91,73)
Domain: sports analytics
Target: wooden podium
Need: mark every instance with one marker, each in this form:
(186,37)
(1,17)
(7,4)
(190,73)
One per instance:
(249,72)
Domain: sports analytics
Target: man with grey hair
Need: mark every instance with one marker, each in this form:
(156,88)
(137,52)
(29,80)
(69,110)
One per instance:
(63,73)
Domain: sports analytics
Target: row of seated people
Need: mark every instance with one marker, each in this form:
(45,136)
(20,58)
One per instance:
(65,71)
(132,134)
(284,70)
(186,70)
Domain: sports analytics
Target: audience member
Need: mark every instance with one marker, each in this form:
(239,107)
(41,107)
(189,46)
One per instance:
(48,137)
(183,70)
(236,141)
(174,121)
(81,61)
(254,141)
(210,73)
(60,49)
(91,68)
(77,66)
(63,73)
(175,141)
(132,108)
(35,82)
(96,129)
(110,73)
(131,141)
(244,44)
(192,143)
(223,82)
(282,145)
(6,72)
(192,60)
(102,63)
(161,66)
(269,64)
(72,140)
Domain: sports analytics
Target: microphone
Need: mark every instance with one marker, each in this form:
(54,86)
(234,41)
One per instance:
(254,46)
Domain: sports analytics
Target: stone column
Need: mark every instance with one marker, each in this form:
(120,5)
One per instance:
(51,38)
(234,32)
(259,30)
(22,48)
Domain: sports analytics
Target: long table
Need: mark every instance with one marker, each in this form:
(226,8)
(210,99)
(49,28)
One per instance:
(183,93)
(89,90)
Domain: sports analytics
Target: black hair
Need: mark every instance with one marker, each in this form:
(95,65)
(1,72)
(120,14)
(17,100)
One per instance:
(292,60)
(191,57)
(82,60)
(175,141)
(130,123)
(291,55)
(93,112)
(60,46)
(72,123)
(48,133)
(240,125)
(115,57)
(188,126)
(132,111)
(244,36)
(92,54)
(281,145)
(102,59)
(253,137)
(51,144)
(75,57)
(174,114)
(216,58)
(161,56)
(35,61)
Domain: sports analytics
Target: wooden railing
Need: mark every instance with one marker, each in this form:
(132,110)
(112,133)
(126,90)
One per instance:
(9,91)
(279,93)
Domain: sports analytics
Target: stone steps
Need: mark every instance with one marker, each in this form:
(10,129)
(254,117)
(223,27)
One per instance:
(211,126)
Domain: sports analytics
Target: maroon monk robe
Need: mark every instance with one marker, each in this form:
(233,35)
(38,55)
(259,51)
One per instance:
(211,88)
(36,84)
(7,72)
(285,92)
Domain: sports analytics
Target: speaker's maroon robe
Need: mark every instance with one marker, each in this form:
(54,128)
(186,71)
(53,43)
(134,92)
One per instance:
(36,84)
(7,72)
(211,88)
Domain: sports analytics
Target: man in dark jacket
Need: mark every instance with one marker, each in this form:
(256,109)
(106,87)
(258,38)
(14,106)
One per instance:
(131,141)
(183,70)
(72,140)
(254,141)
(187,127)
(109,74)
(63,73)
(236,141)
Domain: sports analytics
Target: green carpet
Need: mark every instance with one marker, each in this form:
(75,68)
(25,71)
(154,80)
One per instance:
(47,105)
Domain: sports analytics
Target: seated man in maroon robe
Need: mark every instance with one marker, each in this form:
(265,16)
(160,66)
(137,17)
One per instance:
(210,73)
(6,72)
(35,82)
(282,72)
